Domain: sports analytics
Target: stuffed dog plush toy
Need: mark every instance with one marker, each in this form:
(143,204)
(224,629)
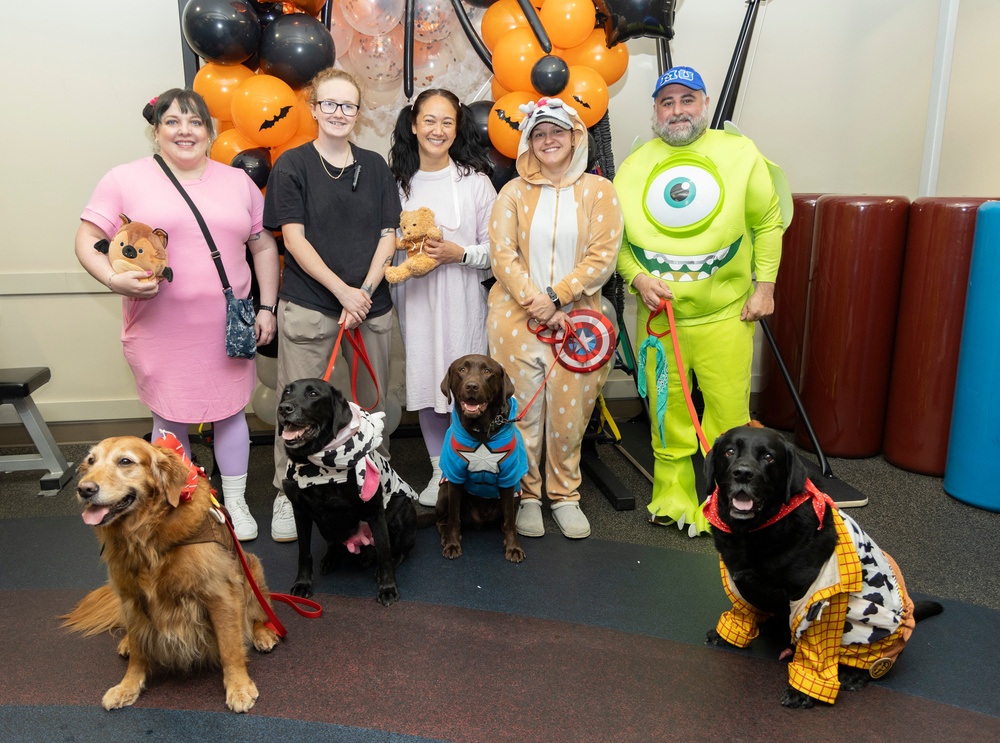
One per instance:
(787,551)
(137,247)
(416,226)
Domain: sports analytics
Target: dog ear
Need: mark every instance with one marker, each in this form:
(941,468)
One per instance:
(341,411)
(796,472)
(446,383)
(709,468)
(169,474)
(508,386)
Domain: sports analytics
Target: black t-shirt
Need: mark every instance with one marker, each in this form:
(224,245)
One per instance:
(342,223)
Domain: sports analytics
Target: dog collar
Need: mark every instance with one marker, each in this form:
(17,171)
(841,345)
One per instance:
(819,499)
(168,441)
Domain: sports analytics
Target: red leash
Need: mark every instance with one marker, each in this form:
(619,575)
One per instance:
(360,352)
(314,610)
(561,342)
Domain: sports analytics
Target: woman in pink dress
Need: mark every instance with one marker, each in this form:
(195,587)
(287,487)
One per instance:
(439,162)
(173,333)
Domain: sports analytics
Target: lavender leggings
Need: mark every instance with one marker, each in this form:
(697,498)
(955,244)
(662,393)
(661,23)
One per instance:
(232,441)
(433,427)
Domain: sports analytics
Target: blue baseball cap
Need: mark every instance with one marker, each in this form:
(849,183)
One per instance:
(685,76)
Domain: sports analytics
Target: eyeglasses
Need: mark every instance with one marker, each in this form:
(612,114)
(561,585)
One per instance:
(330,107)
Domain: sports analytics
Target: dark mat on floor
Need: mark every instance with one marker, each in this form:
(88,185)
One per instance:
(587,640)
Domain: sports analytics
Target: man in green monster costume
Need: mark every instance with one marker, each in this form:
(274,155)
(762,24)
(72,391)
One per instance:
(702,218)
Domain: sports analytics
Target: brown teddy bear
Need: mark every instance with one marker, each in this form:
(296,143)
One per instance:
(137,247)
(417,226)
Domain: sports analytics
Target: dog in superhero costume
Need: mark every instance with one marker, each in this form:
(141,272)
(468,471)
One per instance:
(705,218)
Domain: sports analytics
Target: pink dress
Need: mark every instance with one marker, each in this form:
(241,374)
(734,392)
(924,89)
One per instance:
(174,342)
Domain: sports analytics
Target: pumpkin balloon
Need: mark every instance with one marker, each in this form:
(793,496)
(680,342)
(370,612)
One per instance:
(587,92)
(501,17)
(515,55)
(594,53)
(568,22)
(216,83)
(265,111)
(505,117)
(496,89)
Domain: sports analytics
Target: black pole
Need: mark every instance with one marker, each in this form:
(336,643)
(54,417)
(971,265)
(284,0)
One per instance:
(410,12)
(731,87)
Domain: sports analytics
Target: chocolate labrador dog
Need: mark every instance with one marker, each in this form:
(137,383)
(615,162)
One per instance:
(787,551)
(337,479)
(483,459)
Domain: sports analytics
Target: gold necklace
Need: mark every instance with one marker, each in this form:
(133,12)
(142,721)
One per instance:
(322,162)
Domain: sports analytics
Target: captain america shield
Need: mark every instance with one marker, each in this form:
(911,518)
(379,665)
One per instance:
(591,344)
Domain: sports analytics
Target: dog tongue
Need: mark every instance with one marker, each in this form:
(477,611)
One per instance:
(94,515)
(742,504)
(289,433)
(468,407)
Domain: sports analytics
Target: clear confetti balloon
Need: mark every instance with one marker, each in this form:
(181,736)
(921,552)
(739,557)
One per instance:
(373,17)
(433,20)
(378,60)
(341,31)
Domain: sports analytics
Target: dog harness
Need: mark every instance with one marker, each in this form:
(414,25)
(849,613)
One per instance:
(484,468)
(856,612)
(353,449)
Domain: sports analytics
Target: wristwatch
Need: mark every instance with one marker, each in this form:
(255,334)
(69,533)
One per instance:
(553,296)
(269,308)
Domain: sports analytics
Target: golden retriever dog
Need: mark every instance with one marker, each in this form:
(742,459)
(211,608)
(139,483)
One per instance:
(175,583)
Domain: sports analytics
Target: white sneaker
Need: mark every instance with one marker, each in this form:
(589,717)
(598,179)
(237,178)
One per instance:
(283,520)
(429,495)
(243,523)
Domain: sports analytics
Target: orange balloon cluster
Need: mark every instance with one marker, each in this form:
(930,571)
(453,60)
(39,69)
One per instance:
(570,25)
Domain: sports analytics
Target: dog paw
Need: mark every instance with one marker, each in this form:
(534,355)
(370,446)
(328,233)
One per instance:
(264,638)
(123,695)
(302,589)
(388,595)
(795,699)
(451,551)
(714,638)
(852,679)
(241,697)
(123,647)
(514,554)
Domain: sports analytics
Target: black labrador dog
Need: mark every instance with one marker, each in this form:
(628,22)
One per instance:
(481,390)
(789,552)
(338,480)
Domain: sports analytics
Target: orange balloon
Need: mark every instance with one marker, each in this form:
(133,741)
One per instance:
(497,90)
(568,22)
(587,92)
(216,83)
(296,141)
(228,145)
(312,7)
(501,17)
(307,124)
(222,126)
(505,116)
(609,63)
(516,53)
(266,110)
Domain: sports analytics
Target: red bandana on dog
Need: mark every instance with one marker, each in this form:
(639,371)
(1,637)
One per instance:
(819,499)
(168,441)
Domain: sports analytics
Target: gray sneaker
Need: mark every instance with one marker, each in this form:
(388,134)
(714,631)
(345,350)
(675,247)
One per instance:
(570,519)
(529,518)
(283,520)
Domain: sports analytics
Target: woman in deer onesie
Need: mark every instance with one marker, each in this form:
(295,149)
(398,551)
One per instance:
(554,237)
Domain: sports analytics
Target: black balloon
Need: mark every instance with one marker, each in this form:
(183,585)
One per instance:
(294,48)
(628,19)
(480,3)
(504,168)
(256,163)
(221,31)
(481,115)
(550,75)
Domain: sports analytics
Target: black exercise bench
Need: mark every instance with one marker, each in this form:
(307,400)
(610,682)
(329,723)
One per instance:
(16,386)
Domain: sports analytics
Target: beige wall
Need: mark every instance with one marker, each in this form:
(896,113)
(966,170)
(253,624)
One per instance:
(837,94)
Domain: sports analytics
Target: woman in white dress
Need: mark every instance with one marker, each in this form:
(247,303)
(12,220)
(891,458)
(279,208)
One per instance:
(440,162)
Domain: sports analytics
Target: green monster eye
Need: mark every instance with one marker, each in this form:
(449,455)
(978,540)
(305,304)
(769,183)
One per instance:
(683,195)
